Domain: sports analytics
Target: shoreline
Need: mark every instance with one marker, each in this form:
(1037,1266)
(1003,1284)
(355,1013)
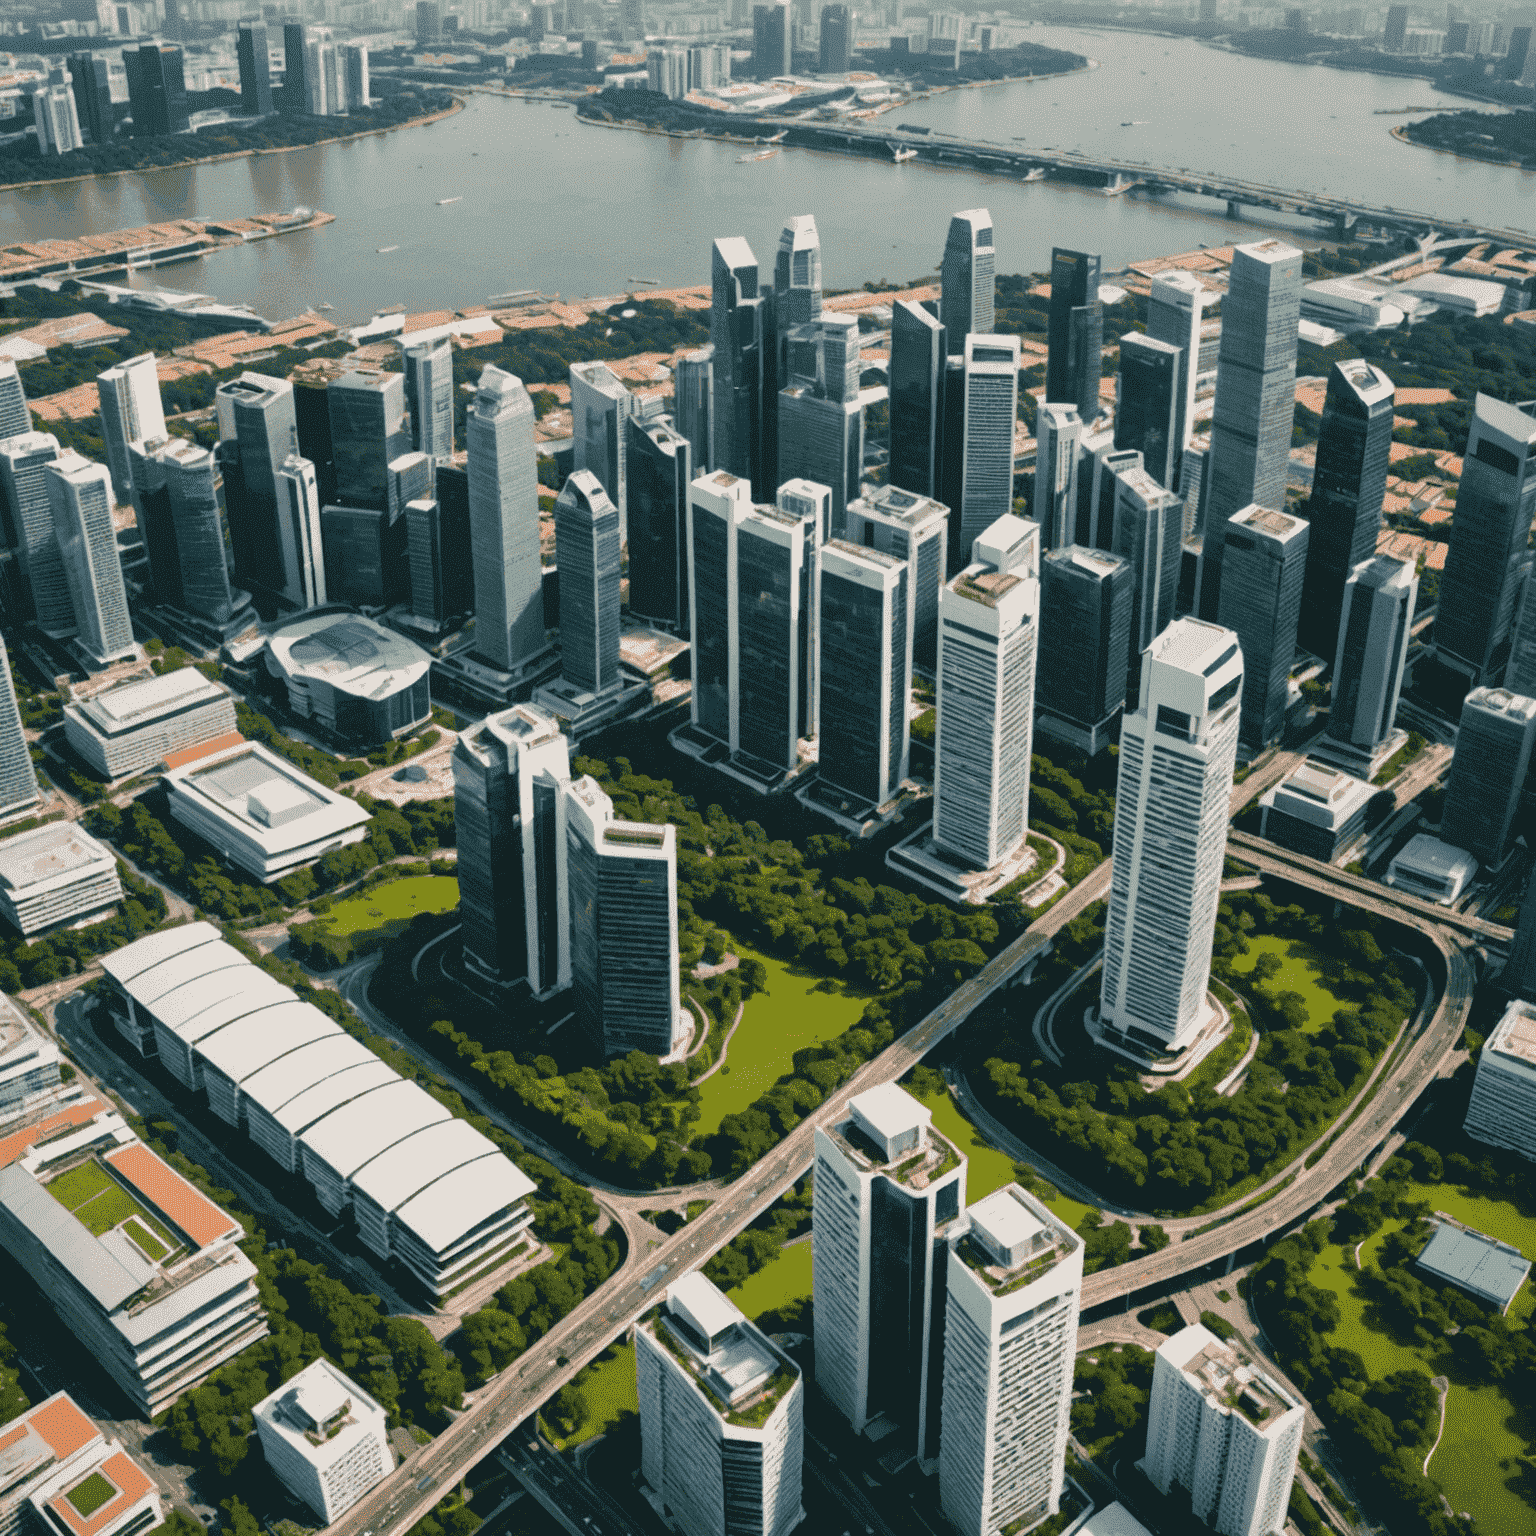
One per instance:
(1439,149)
(236,154)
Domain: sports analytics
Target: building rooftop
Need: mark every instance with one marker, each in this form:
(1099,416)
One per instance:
(309,1069)
(1428,854)
(702,1304)
(126,1482)
(1113,1520)
(309,1409)
(52,1431)
(1096,561)
(1012,1239)
(461,1199)
(1515,1034)
(134,959)
(891,504)
(48,854)
(172,1195)
(1501,701)
(735,1364)
(1226,1374)
(1280,525)
(285,1027)
(213,998)
(1326,786)
(1192,645)
(982,584)
(141,702)
(353,654)
(359,1131)
(409,1166)
(890,1111)
(1489,1269)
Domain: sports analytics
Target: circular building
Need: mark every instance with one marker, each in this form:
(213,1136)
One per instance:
(360,683)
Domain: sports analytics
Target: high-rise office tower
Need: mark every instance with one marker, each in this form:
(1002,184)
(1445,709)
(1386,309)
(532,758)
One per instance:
(967,278)
(1058,432)
(300,531)
(80,498)
(836,39)
(1177,752)
(1372,647)
(504,521)
(1194,481)
(1148,536)
(407,479)
(364,556)
(632,19)
(991,410)
(255,67)
(354,60)
(429,397)
(667,72)
(1263,567)
(772,633)
(429,23)
(311,383)
(23,460)
(1098,462)
(320,75)
(917,371)
(887,1188)
(1015,1279)
(370,428)
(1255,396)
(1220,1425)
(721,1416)
(256,429)
(693,397)
(1493,751)
(623,921)
(15,414)
(989,631)
(600,406)
(18,778)
(1147,404)
(437,552)
(157,92)
(820,422)
(1086,598)
(1074,361)
(716,505)
(866,671)
(1520,673)
(736,333)
(658,472)
(1396,30)
(1485,563)
(797,273)
(915,528)
(56,119)
(588,555)
(130,413)
(179,501)
(509,777)
(1348,484)
(951,454)
(771,50)
(295,101)
(812,504)
(92,82)
(1518,978)
(1174,314)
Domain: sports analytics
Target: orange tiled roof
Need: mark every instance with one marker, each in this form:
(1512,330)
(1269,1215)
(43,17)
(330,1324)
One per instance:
(131,1484)
(18,1142)
(62,1425)
(194,1213)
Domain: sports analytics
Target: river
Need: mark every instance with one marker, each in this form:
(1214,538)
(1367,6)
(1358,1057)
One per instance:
(566,207)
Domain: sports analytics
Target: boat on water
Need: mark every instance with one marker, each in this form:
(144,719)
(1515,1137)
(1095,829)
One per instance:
(384,250)
(903,154)
(1140,122)
(325,306)
(1035,173)
(443,202)
(762,154)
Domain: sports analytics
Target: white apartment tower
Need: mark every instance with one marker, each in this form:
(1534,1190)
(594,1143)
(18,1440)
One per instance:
(1502,1110)
(887,1189)
(991,410)
(1221,1426)
(80,498)
(989,631)
(131,412)
(1177,753)
(298,526)
(721,1416)
(1010,1335)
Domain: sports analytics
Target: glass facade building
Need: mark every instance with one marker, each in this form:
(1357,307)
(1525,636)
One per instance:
(991,397)
(917,374)
(1075,335)
(1086,601)
(255,68)
(1372,649)
(659,470)
(257,425)
(588,555)
(1146,411)
(967,278)
(429,396)
(915,529)
(369,430)
(1488,770)
(736,332)
(80,499)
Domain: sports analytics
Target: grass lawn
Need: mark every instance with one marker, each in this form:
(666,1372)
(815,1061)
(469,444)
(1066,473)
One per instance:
(101,1203)
(787,1279)
(1296,974)
(80,1184)
(610,1394)
(90,1495)
(788,1016)
(145,1240)
(397,901)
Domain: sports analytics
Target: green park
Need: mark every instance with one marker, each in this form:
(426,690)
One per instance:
(391,905)
(1293,968)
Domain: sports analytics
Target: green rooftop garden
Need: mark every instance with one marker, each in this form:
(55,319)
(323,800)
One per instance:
(92,1494)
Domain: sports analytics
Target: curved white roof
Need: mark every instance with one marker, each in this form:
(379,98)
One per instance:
(359,1131)
(243,1049)
(122,965)
(148,987)
(179,1009)
(303,1069)
(355,655)
(258,991)
(324,1098)
(459,1201)
(409,1166)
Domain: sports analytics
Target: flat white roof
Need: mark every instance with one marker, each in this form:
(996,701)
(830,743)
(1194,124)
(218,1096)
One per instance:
(1428,853)
(1006,1221)
(406,1169)
(1113,1520)
(49,854)
(138,703)
(355,655)
(358,1132)
(122,965)
(1183,1346)
(459,1201)
(308,1067)
(245,1048)
(891,1110)
(331,1093)
(1515,1033)
(703,1303)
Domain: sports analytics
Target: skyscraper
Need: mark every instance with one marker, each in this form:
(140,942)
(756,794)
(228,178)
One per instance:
(812,504)
(1074,361)
(311,383)
(1396,30)
(658,472)
(364,556)
(1147,405)
(915,528)
(693,396)
(370,428)
(1148,527)
(429,397)
(1086,597)
(1174,313)
(15,414)
(24,459)
(820,421)
(797,275)
(255,67)
(866,671)
(1262,573)
(407,479)
(92,81)
(1372,647)
(736,333)
(1484,566)
(623,904)
(600,406)
(916,398)
(509,776)
(1236,1458)
(1098,462)
(1058,431)
(887,1189)
(1177,753)
(588,555)
(967,278)
(1348,484)
(18,778)
(1255,396)
(130,413)
(56,119)
(989,630)
(437,552)
(296,63)
(354,64)
(836,39)
(504,522)
(157,93)
(257,433)
(429,23)
(771,29)
(80,498)
(300,531)
(1015,1279)
(1493,751)
(721,1416)
(716,505)
(991,410)
(179,500)
(771,633)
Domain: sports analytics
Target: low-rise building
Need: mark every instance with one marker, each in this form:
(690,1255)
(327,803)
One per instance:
(1318,811)
(138,724)
(1481,1265)
(260,812)
(56,874)
(1426,867)
(1502,1109)
(324,1439)
(57,1468)
(29,1065)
